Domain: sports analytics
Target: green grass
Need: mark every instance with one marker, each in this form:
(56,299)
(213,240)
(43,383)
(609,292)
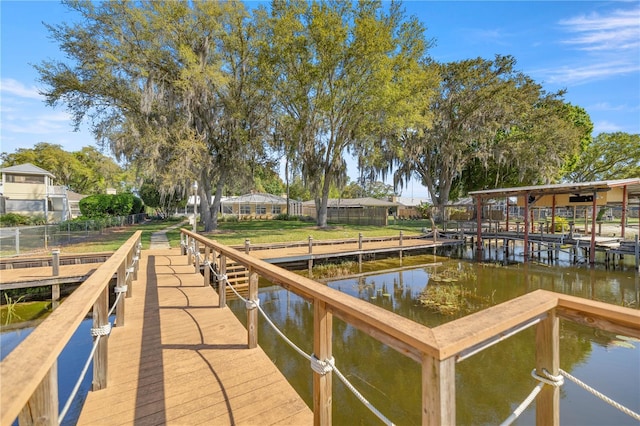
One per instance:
(275,231)
(235,233)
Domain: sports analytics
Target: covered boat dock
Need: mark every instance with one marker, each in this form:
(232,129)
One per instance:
(585,194)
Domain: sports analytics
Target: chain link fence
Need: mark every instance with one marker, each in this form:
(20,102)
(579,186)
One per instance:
(29,239)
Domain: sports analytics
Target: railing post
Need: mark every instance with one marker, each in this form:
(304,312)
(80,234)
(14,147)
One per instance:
(252,312)
(247,246)
(196,254)
(207,267)
(189,250)
(42,407)
(548,358)
(310,262)
(438,391)
(100,361)
(322,349)
(55,271)
(136,261)
(183,244)
(121,281)
(222,284)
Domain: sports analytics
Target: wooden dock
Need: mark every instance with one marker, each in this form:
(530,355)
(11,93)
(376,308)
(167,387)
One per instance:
(180,359)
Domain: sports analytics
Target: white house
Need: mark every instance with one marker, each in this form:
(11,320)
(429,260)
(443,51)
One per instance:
(28,190)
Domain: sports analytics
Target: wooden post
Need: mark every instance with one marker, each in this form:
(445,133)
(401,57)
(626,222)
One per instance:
(183,245)
(592,250)
(247,246)
(222,284)
(136,261)
(322,349)
(196,255)
(252,314)
(189,254)
(55,262)
(438,391)
(400,242)
(207,267)
(553,215)
(623,220)
(310,262)
(479,223)
(360,249)
(120,283)
(526,226)
(548,357)
(42,407)
(100,360)
(637,254)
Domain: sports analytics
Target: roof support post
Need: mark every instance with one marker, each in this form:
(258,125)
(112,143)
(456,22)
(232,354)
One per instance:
(553,215)
(526,226)
(594,212)
(624,211)
(479,223)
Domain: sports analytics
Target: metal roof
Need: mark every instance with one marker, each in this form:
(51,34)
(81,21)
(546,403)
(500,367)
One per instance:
(633,188)
(257,198)
(26,169)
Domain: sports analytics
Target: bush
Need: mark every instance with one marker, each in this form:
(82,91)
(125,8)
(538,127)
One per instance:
(13,219)
(38,219)
(561,224)
(287,217)
(104,205)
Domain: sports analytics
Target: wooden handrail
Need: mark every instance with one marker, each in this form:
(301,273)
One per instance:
(24,369)
(437,349)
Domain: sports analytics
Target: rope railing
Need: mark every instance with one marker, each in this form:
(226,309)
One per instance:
(319,366)
(557,381)
(97,332)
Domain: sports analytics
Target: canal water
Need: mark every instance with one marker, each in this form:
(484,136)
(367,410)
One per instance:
(490,384)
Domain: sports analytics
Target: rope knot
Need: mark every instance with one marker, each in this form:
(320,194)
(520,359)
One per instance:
(322,367)
(549,379)
(131,270)
(120,289)
(252,304)
(103,330)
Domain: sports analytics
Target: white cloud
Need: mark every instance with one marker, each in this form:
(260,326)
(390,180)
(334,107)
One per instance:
(606,127)
(16,88)
(618,31)
(610,41)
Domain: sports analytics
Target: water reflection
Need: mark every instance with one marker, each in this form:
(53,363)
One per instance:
(489,385)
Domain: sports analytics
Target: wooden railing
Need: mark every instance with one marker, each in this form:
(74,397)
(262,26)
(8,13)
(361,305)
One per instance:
(436,349)
(28,374)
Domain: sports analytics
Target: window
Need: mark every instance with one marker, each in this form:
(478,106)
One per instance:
(226,209)
(261,209)
(275,209)
(245,209)
(24,179)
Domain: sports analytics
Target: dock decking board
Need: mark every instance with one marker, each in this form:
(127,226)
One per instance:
(180,359)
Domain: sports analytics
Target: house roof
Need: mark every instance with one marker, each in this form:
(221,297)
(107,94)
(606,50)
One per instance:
(412,201)
(256,198)
(26,169)
(355,202)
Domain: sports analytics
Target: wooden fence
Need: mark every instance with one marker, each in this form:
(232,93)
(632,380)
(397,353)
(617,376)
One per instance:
(29,376)
(436,349)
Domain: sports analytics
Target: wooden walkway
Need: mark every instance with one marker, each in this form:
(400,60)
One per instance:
(179,359)
(344,249)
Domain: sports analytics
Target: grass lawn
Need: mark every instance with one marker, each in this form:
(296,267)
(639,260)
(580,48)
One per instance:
(233,233)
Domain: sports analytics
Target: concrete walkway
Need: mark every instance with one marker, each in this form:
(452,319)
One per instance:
(159,239)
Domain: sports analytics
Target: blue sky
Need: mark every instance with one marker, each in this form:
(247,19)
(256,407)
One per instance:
(589,48)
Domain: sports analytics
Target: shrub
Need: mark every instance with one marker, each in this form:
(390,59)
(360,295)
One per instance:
(561,224)
(13,219)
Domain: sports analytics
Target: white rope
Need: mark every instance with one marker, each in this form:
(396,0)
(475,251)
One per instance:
(115,303)
(603,397)
(103,330)
(319,366)
(322,367)
(80,379)
(548,378)
(523,406)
